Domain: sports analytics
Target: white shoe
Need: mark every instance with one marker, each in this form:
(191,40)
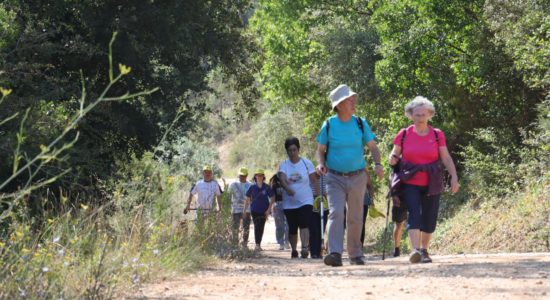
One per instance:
(258,248)
(415,257)
(281,247)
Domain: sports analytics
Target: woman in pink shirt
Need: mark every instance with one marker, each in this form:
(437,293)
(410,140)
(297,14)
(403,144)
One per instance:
(419,149)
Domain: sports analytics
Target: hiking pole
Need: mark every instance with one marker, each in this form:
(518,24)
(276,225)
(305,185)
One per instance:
(321,211)
(385,239)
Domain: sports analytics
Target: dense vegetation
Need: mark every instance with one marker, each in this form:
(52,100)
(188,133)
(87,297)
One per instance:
(100,134)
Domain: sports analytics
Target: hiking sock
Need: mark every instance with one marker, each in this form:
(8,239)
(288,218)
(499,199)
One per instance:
(396,252)
(304,239)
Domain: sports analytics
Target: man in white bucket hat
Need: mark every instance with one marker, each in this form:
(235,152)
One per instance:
(340,153)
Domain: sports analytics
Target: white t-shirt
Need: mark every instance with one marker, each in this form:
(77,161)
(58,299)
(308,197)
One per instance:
(206,192)
(238,190)
(297,178)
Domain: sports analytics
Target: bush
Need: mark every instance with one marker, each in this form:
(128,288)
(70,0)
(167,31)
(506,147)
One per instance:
(490,167)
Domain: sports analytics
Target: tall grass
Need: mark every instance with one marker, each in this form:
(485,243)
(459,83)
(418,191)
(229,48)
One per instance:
(84,251)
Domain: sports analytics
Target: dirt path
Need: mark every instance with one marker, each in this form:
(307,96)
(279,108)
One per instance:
(275,276)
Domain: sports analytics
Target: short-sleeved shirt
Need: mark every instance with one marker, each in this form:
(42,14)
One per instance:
(297,178)
(259,197)
(420,150)
(346,143)
(238,190)
(206,191)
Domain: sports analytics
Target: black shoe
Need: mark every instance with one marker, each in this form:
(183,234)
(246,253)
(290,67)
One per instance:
(425,257)
(356,261)
(316,256)
(294,254)
(334,259)
(304,253)
(396,252)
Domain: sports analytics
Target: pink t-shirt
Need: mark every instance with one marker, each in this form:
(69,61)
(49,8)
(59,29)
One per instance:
(420,150)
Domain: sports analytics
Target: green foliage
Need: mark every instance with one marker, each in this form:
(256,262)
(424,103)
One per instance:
(172,45)
(523,27)
(263,145)
(8,27)
(490,169)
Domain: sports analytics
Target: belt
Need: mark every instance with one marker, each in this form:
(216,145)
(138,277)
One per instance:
(346,174)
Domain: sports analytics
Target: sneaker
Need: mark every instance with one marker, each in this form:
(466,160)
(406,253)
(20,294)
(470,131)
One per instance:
(287,246)
(356,261)
(258,248)
(294,254)
(396,252)
(281,247)
(415,256)
(304,253)
(425,257)
(334,259)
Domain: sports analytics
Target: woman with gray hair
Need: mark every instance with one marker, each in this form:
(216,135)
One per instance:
(419,150)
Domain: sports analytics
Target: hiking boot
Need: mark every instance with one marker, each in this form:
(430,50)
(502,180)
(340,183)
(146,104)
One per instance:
(294,254)
(425,257)
(334,259)
(356,261)
(396,252)
(304,253)
(415,256)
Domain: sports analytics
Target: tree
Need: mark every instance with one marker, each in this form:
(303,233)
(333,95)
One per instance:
(169,44)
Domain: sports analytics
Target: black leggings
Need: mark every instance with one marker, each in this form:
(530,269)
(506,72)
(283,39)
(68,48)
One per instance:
(315,232)
(298,217)
(259,224)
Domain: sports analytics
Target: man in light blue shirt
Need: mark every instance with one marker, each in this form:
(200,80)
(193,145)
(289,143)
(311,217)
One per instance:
(238,190)
(340,150)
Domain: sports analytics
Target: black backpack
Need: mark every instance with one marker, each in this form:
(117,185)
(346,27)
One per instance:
(277,188)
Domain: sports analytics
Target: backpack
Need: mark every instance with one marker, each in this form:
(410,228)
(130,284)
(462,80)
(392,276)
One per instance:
(277,188)
(359,123)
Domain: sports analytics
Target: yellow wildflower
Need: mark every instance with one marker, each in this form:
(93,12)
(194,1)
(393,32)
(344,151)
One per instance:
(84,207)
(5,92)
(124,69)
(170,179)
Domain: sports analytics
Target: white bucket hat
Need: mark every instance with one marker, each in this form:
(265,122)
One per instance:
(339,94)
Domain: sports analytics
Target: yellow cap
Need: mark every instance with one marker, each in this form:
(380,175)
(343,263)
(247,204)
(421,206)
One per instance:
(259,171)
(243,172)
(207,168)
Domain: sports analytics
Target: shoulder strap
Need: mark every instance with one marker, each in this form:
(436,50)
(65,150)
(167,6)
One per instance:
(307,169)
(360,123)
(403,138)
(327,122)
(436,137)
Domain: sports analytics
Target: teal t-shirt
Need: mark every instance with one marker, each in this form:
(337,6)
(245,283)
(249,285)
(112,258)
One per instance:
(345,143)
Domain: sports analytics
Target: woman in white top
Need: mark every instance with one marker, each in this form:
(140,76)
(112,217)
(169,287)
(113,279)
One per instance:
(296,173)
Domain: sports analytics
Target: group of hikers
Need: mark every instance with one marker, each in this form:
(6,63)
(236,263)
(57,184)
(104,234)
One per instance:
(297,194)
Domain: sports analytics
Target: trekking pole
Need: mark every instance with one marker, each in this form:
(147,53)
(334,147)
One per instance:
(385,239)
(321,210)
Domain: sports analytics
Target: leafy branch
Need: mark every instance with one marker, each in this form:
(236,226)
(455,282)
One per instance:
(56,148)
